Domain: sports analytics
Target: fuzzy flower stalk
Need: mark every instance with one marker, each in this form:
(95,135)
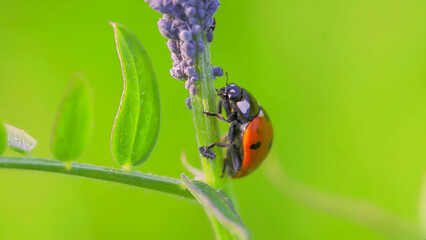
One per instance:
(188,25)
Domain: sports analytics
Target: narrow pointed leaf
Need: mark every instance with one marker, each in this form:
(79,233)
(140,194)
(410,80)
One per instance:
(3,137)
(19,140)
(137,123)
(74,122)
(216,204)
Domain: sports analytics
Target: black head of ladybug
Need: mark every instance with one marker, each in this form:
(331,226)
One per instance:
(232,92)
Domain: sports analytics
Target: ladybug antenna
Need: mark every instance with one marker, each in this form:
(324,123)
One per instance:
(226,73)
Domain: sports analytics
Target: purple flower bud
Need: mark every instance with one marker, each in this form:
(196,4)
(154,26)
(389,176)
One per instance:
(185,35)
(217,71)
(201,13)
(194,2)
(176,57)
(200,45)
(209,36)
(188,50)
(165,27)
(190,71)
(190,12)
(180,25)
(196,29)
(181,22)
(193,90)
(175,74)
(188,102)
(179,71)
(164,7)
(183,64)
(193,21)
(188,84)
(178,11)
(173,46)
(190,62)
(208,23)
(195,79)
(212,8)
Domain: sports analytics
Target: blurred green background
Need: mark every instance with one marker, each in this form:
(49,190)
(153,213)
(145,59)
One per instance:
(344,82)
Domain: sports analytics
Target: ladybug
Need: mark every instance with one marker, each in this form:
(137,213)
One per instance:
(250,134)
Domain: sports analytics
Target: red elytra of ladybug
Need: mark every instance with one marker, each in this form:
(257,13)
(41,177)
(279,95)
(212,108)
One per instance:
(256,143)
(250,134)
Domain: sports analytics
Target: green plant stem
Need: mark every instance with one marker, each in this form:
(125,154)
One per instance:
(207,128)
(207,131)
(163,184)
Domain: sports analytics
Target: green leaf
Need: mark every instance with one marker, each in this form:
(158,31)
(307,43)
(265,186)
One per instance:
(137,123)
(218,206)
(3,137)
(74,122)
(19,140)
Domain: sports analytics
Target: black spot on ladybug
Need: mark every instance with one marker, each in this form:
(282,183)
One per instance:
(255,146)
(270,144)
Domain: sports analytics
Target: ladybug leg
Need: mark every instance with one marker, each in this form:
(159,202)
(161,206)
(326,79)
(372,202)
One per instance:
(206,151)
(219,144)
(219,106)
(223,168)
(235,161)
(225,106)
(219,116)
(230,115)
(232,132)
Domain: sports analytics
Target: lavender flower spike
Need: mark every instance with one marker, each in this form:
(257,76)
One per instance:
(217,72)
(188,24)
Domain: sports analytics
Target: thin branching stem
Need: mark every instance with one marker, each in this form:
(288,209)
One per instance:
(162,184)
